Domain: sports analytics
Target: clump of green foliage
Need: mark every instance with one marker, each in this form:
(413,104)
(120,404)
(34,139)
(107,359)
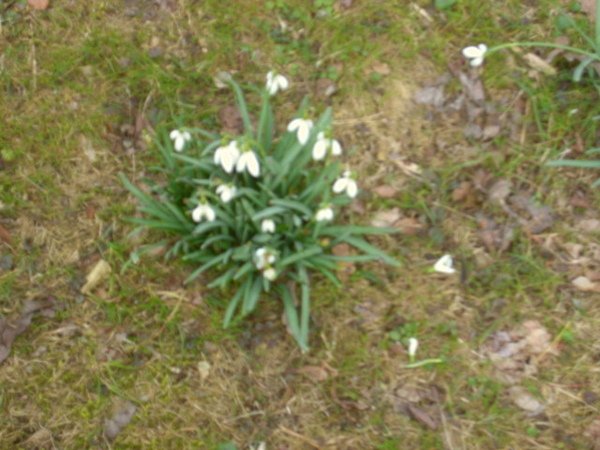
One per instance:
(258,209)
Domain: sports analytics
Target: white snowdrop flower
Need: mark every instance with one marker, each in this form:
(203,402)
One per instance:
(302,128)
(276,82)
(444,265)
(248,161)
(203,211)
(323,144)
(347,184)
(324,214)
(226,192)
(179,139)
(270,274)
(260,258)
(227,156)
(413,345)
(475,54)
(267,226)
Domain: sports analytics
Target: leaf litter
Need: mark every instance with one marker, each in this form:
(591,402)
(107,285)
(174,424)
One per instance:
(122,415)
(9,330)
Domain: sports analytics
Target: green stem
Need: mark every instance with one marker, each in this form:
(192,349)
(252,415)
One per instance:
(544,44)
(424,362)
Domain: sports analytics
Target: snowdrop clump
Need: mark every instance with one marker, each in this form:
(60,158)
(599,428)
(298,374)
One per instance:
(258,210)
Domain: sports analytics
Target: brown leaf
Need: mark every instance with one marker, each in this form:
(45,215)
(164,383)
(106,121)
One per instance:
(100,271)
(39,4)
(495,238)
(524,400)
(42,438)
(464,190)
(500,190)
(585,284)
(421,416)
(589,225)
(120,419)
(381,68)
(325,87)
(589,7)
(9,331)
(537,63)
(430,96)
(592,432)
(346,3)
(4,234)
(314,373)
(473,87)
(386,218)
(409,226)
(385,191)
(231,120)
(515,353)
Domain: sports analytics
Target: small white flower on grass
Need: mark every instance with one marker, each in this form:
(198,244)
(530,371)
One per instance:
(323,144)
(276,82)
(444,265)
(267,226)
(324,214)
(226,192)
(413,345)
(227,156)
(475,54)
(203,211)
(346,184)
(270,274)
(248,161)
(180,138)
(263,258)
(302,128)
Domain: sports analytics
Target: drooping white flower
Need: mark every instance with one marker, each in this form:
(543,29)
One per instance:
(179,139)
(226,192)
(227,156)
(263,257)
(302,128)
(248,161)
(203,211)
(475,54)
(413,345)
(324,214)
(323,144)
(270,274)
(347,184)
(267,226)
(444,265)
(276,82)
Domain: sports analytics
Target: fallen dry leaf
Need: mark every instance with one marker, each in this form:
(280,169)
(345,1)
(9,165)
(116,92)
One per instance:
(231,120)
(409,226)
(100,271)
(515,353)
(495,238)
(42,438)
(39,4)
(385,191)
(421,416)
(4,234)
(203,369)
(537,63)
(592,432)
(314,373)
(381,68)
(589,225)
(9,331)
(122,416)
(585,284)
(500,190)
(386,218)
(589,7)
(524,400)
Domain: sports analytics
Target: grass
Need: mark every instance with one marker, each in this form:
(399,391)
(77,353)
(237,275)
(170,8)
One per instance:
(140,336)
